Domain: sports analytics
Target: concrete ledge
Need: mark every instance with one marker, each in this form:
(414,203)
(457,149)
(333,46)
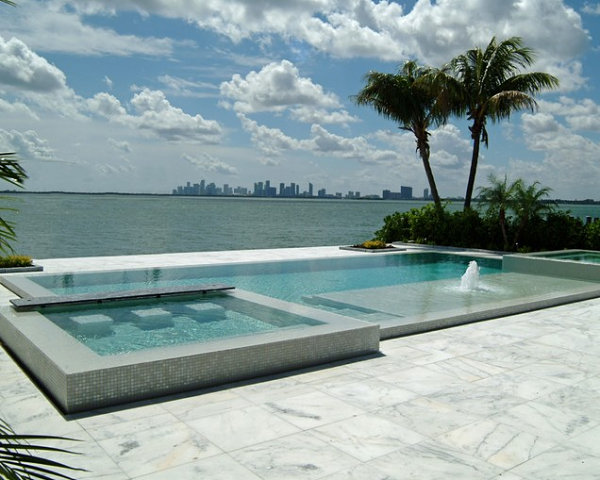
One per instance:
(31,268)
(30,303)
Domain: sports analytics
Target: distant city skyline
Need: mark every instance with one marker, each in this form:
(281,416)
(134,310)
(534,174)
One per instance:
(291,190)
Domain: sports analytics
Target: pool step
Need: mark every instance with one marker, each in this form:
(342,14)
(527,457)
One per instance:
(359,313)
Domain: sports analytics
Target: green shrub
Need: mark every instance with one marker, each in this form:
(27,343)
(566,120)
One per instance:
(12,261)
(372,245)
(465,229)
(592,235)
(560,231)
(469,229)
(396,227)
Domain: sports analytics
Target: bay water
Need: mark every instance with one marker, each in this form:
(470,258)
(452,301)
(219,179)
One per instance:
(56,225)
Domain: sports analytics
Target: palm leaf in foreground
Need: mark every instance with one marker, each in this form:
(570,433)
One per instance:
(19,459)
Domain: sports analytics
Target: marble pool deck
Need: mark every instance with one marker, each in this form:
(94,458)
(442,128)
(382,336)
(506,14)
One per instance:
(511,398)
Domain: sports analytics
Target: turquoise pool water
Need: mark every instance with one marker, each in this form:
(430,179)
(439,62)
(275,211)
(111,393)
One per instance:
(285,280)
(574,256)
(129,326)
(126,326)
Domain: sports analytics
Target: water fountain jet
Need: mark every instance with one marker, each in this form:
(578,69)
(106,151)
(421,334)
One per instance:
(470,279)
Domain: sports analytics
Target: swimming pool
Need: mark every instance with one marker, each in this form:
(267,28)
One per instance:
(584,256)
(292,314)
(401,292)
(286,280)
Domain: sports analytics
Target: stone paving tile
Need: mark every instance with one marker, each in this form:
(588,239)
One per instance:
(159,448)
(520,385)
(560,462)
(555,370)
(498,444)
(422,380)
(434,461)
(369,394)
(368,436)
(550,422)
(33,414)
(88,455)
(588,441)
(312,409)
(467,369)
(189,408)
(427,416)
(515,355)
(242,427)
(271,388)
(219,467)
(301,456)
(360,472)
(478,400)
(574,399)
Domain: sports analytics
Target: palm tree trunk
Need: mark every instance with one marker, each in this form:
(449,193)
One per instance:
(423,148)
(476,136)
(503,228)
(434,192)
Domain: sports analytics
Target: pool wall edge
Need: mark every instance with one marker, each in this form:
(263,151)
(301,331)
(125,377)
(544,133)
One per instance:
(536,265)
(129,383)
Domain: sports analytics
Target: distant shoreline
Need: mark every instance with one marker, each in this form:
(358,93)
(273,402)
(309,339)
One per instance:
(58,192)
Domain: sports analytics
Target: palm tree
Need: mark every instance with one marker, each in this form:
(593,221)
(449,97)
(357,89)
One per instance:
(488,84)
(500,197)
(529,205)
(407,98)
(12,172)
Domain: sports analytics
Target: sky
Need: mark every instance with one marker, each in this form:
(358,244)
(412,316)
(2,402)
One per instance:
(144,95)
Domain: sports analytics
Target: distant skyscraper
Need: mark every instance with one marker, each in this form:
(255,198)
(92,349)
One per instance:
(310,189)
(426,193)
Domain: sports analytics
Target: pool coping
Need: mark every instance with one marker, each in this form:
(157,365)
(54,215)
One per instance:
(31,303)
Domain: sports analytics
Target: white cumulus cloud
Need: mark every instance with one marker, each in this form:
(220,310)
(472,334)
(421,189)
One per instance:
(28,145)
(276,87)
(23,69)
(153,113)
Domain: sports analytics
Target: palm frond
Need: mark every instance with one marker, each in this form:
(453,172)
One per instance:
(19,459)
(11,170)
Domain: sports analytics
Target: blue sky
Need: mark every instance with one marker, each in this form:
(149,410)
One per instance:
(144,95)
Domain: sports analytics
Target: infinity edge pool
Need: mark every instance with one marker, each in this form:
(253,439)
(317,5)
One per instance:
(80,380)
